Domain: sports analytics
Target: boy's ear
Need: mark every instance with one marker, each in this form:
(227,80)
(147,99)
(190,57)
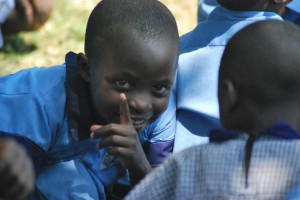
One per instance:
(231,94)
(83,66)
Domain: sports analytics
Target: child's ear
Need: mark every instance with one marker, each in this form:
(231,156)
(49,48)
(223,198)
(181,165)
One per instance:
(231,94)
(83,66)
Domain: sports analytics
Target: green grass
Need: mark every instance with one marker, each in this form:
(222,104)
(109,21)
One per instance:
(64,31)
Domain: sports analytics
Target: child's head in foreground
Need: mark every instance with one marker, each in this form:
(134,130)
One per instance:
(259,80)
(131,47)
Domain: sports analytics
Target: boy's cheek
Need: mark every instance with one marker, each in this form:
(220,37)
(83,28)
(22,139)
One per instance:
(162,106)
(107,108)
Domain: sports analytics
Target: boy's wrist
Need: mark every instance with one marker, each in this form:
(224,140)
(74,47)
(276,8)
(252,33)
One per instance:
(139,172)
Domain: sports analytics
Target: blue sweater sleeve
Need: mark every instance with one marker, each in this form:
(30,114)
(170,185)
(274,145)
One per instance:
(25,114)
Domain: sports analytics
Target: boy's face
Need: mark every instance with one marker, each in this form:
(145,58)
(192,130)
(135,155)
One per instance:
(143,70)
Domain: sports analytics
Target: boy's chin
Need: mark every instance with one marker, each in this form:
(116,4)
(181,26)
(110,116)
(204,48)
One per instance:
(140,127)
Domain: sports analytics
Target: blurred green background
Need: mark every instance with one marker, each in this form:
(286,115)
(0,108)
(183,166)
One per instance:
(64,32)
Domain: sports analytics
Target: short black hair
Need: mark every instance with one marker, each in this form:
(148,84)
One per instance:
(150,19)
(263,61)
(239,5)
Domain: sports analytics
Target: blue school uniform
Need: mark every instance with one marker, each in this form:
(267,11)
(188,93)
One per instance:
(207,6)
(294,194)
(197,76)
(48,111)
(293,12)
(204,8)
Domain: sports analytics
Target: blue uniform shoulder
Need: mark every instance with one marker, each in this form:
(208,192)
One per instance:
(37,80)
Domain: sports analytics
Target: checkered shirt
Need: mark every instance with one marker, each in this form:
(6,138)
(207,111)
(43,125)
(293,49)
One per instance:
(215,171)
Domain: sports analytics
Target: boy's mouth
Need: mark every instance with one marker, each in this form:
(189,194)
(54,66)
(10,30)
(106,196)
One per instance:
(139,124)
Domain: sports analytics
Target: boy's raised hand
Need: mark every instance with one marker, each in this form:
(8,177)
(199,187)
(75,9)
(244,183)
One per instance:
(123,141)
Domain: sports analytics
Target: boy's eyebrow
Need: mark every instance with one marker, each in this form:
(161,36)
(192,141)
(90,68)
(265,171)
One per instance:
(129,75)
(167,81)
(124,74)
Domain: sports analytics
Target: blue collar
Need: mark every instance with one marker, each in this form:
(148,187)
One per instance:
(280,130)
(79,111)
(220,26)
(292,16)
(294,5)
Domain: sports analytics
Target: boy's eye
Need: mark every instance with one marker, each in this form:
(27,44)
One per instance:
(161,89)
(122,84)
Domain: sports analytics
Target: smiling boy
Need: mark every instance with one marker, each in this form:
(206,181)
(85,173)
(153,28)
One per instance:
(96,118)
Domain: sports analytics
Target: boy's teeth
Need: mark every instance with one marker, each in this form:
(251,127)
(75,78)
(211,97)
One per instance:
(138,122)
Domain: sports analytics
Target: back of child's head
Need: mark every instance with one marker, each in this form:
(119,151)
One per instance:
(247,5)
(238,4)
(263,63)
(259,81)
(149,19)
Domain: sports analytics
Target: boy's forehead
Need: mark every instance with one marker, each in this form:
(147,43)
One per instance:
(142,57)
(129,44)
(126,33)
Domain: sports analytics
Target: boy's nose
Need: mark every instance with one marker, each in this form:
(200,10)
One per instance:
(140,105)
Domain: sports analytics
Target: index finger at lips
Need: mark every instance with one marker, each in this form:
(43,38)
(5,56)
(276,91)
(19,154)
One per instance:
(124,110)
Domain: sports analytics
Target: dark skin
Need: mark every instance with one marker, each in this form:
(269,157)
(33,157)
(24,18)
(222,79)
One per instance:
(260,91)
(137,77)
(123,142)
(238,113)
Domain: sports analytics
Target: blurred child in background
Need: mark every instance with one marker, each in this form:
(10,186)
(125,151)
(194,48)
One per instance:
(199,61)
(98,117)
